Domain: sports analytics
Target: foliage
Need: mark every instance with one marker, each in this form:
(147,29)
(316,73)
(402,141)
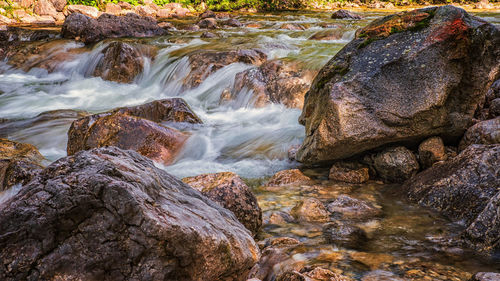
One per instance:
(216,5)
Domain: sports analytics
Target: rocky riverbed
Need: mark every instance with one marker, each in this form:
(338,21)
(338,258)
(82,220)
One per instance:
(286,146)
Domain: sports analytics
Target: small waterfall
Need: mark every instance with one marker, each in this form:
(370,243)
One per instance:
(235,136)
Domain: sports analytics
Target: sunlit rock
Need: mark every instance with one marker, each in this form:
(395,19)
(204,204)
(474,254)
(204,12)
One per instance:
(286,177)
(229,190)
(404,77)
(292,26)
(206,62)
(120,62)
(431,151)
(89,30)
(485,276)
(344,14)
(349,172)
(155,141)
(272,82)
(19,163)
(331,34)
(88,11)
(135,127)
(110,214)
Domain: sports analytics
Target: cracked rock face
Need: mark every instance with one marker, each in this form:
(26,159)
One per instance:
(405,77)
(110,214)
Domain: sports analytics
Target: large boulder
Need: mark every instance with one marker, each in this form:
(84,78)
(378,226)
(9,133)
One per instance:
(485,132)
(109,214)
(135,127)
(272,82)
(121,62)
(205,62)
(155,141)
(172,110)
(344,14)
(404,77)
(465,188)
(90,30)
(229,190)
(19,163)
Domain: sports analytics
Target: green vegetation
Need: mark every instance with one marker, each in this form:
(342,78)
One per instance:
(229,5)
(216,5)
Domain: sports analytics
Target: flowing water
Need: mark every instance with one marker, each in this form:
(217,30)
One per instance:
(38,107)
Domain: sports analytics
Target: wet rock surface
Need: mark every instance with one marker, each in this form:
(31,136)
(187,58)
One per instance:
(137,128)
(273,82)
(204,63)
(84,134)
(485,132)
(48,55)
(350,207)
(155,141)
(431,151)
(229,190)
(288,177)
(89,30)
(310,210)
(19,163)
(117,215)
(485,276)
(344,14)
(334,34)
(208,23)
(171,110)
(345,235)
(396,164)
(121,62)
(465,188)
(349,172)
(370,95)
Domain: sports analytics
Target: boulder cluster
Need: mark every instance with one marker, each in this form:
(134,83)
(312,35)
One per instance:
(49,12)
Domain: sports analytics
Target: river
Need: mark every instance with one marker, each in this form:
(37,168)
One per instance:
(239,137)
